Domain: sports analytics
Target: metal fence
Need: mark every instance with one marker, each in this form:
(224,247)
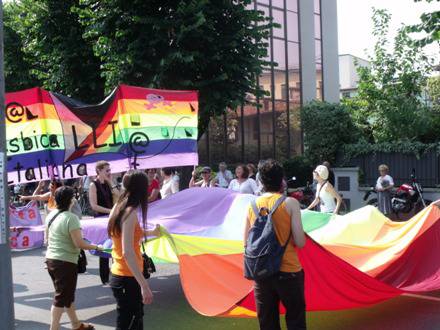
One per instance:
(427,167)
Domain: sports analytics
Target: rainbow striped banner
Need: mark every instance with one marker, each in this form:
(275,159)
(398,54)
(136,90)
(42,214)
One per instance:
(50,135)
(350,261)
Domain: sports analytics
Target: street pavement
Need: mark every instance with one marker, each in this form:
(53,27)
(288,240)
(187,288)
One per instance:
(33,295)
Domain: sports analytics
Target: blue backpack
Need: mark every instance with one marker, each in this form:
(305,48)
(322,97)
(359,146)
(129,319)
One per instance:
(263,253)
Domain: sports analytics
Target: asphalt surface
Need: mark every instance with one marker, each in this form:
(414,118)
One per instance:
(33,296)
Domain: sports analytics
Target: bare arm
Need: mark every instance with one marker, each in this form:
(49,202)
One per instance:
(79,242)
(128,227)
(38,189)
(40,198)
(154,232)
(314,203)
(93,198)
(193,183)
(199,183)
(391,185)
(294,210)
(246,230)
(336,196)
(115,193)
(154,195)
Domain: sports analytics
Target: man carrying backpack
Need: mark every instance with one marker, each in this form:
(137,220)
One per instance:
(273,232)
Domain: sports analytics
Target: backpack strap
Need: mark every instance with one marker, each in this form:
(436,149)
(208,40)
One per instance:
(255,208)
(277,204)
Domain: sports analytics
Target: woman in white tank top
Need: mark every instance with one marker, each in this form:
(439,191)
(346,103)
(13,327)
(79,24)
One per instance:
(326,195)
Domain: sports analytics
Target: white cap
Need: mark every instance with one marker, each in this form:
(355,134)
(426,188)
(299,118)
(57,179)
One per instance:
(322,171)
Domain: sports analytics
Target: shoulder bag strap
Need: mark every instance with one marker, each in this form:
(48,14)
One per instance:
(50,223)
(51,220)
(320,188)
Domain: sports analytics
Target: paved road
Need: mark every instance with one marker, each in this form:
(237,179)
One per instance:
(33,292)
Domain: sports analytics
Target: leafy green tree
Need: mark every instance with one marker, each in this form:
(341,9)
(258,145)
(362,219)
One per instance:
(433,90)
(17,66)
(429,24)
(389,105)
(327,127)
(215,47)
(54,48)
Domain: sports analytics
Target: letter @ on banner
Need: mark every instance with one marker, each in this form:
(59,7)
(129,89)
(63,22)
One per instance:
(4,232)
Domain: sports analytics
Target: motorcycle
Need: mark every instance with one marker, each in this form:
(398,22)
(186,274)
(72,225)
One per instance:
(408,197)
(372,201)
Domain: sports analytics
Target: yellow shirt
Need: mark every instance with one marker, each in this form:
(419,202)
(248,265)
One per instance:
(282,226)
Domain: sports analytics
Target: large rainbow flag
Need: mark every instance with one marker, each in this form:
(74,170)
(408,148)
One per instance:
(350,261)
(51,135)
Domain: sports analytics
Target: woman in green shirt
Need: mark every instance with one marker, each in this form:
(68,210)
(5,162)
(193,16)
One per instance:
(64,244)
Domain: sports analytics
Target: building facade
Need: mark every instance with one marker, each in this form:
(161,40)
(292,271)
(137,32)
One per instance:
(305,52)
(348,76)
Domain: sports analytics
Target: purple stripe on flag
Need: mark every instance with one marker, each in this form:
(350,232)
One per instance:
(192,210)
(122,165)
(158,147)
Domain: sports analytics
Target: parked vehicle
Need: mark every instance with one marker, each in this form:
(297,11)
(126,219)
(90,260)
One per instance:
(304,195)
(406,198)
(372,201)
(409,196)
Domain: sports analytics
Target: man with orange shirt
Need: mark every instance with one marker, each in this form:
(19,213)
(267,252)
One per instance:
(286,286)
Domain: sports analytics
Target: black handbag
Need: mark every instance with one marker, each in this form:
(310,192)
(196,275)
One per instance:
(82,262)
(82,259)
(148,264)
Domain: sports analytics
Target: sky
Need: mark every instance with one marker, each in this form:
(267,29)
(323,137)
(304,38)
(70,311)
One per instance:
(355,24)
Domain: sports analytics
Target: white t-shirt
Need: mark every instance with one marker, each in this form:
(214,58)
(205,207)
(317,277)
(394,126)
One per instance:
(246,187)
(169,187)
(224,178)
(384,182)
